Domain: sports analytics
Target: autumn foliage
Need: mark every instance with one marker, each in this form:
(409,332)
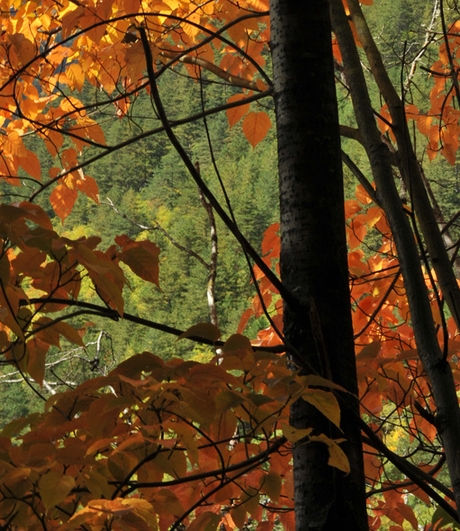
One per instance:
(157,444)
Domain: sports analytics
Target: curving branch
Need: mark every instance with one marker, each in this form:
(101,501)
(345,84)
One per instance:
(103,311)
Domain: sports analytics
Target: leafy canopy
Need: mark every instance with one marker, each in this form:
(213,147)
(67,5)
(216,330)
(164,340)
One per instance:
(156,444)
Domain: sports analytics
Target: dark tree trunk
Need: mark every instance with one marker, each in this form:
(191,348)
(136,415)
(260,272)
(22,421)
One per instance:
(318,327)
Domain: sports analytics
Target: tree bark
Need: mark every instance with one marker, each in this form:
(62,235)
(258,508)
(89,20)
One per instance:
(314,257)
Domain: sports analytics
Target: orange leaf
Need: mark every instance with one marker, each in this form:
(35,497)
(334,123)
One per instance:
(88,186)
(62,199)
(204,522)
(141,257)
(256,126)
(271,241)
(31,164)
(272,486)
(36,214)
(236,113)
(76,76)
(36,362)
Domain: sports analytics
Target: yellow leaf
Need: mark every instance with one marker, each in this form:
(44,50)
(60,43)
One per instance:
(54,487)
(337,457)
(256,126)
(324,401)
(294,435)
(190,29)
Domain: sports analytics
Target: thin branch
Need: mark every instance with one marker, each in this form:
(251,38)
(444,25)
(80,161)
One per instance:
(157,226)
(287,296)
(212,267)
(103,311)
(146,134)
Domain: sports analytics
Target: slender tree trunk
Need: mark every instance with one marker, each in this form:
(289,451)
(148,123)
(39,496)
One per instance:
(314,256)
(409,167)
(434,362)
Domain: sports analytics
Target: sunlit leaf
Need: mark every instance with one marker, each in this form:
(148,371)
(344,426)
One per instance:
(337,457)
(324,401)
(234,114)
(62,199)
(256,126)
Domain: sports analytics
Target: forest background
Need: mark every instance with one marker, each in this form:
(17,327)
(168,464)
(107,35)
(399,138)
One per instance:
(144,192)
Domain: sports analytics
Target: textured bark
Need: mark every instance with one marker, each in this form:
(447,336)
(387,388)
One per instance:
(434,363)
(317,325)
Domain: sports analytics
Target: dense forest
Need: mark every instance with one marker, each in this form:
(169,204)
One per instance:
(145,192)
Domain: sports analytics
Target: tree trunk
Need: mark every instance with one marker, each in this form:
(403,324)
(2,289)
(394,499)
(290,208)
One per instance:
(313,259)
